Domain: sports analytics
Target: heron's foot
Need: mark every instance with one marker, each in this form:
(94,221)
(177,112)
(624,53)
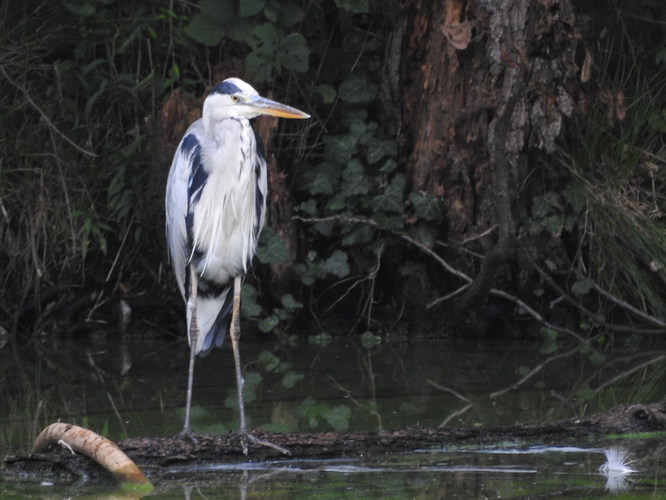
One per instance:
(248,437)
(188,434)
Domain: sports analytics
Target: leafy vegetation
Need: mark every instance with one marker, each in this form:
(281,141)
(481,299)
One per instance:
(82,167)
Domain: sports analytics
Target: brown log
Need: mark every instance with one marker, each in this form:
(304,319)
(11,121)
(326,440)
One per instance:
(92,445)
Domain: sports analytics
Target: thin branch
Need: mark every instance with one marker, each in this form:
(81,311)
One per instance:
(44,115)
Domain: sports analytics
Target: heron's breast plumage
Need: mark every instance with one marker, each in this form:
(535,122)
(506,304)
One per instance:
(223,227)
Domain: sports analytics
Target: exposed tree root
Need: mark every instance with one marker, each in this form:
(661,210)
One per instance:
(76,439)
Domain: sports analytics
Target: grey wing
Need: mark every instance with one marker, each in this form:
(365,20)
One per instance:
(177,203)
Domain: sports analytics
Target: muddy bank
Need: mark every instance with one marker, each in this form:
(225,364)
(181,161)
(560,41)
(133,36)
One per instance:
(156,455)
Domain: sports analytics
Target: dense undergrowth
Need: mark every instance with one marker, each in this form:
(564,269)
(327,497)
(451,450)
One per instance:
(81,88)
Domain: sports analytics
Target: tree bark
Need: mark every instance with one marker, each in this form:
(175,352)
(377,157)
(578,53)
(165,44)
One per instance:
(486,87)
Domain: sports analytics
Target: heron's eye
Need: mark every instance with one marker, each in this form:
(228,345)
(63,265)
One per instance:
(235,98)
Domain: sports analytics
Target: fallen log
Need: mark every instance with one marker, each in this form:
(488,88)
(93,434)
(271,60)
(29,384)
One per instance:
(160,453)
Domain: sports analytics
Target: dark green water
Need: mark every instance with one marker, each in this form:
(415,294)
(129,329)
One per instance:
(136,388)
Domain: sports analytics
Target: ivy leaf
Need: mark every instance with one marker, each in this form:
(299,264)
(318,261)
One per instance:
(289,380)
(290,14)
(426,207)
(424,234)
(360,233)
(391,223)
(336,264)
(251,7)
(335,203)
(354,180)
(338,417)
(267,324)
(249,306)
(204,29)
(357,88)
(293,52)
(354,6)
(272,248)
(340,147)
(391,200)
(389,166)
(582,286)
(289,302)
(327,92)
(269,361)
(575,196)
(381,148)
(262,60)
(320,179)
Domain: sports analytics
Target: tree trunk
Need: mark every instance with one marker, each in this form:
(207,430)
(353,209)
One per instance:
(484,89)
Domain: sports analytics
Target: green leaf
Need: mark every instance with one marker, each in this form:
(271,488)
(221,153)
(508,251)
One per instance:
(268,323)
(321,339)
(582,286)
(320,179)
(391,200)
(575,196)
(289,302)
(360,233)
(204,29)
(249,306)
(426,206)
(340,148)
(370,340)
(272,248)
(309,207)
(269,361)
(393,223)
(357,88)
(263,60)
(293,52)
(389,166)
(354,6)
(425,234)
(290,14)
(354,180)
(290,379)
(381,148)
(338,417)
(335,203)
(327,93)
(221,11)
(251,7)
(337,264)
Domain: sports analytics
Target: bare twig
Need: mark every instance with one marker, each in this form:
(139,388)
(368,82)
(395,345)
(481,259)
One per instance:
(44,115)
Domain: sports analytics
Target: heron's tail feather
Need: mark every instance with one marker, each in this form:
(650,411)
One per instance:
(213,315)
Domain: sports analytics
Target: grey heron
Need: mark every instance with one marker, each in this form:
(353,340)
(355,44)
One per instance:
(215,209)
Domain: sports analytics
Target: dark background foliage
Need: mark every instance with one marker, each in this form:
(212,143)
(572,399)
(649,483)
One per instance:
(95,94)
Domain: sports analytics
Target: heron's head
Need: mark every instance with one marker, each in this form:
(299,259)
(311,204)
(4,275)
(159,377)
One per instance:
(233,98)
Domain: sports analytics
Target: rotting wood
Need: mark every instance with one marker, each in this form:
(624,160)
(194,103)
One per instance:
(86,442)
(161,454)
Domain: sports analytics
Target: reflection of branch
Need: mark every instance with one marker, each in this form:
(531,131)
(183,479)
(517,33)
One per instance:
(454,414)
(628,372)
(536,370)
(447,389)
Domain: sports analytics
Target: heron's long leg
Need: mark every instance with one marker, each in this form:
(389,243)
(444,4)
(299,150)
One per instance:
(193,334)
(234,333)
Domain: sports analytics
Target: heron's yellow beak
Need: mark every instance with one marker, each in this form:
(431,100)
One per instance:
(268,107)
